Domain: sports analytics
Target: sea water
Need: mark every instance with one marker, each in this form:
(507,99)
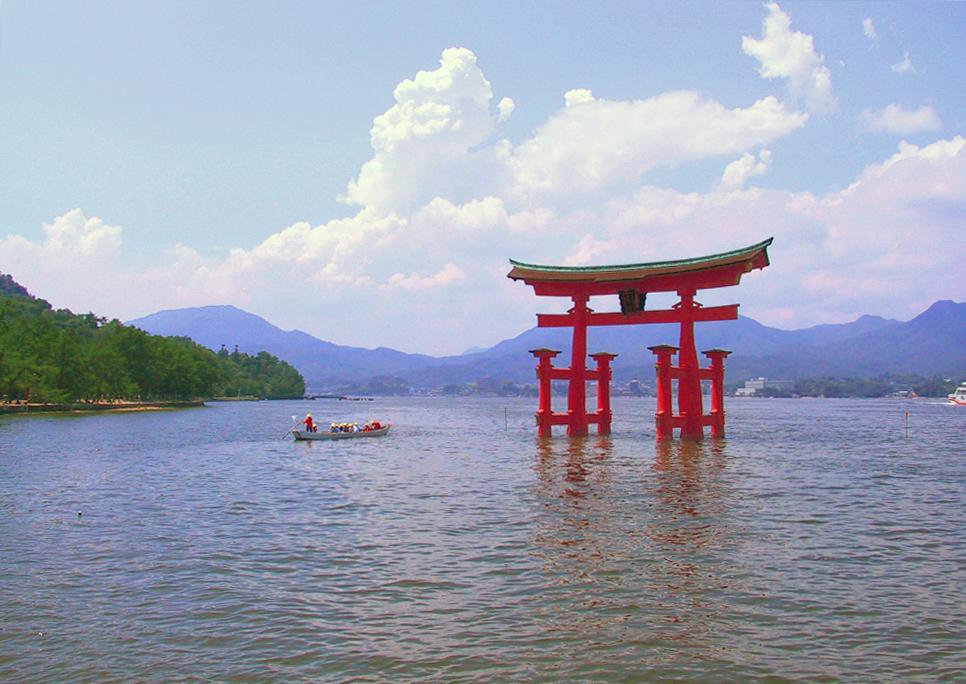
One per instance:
(821,541)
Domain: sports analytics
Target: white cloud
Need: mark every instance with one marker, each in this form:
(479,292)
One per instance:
(897,230)
(784,53)
(593,144)
(440,140)
(897,119)
(73,236)
(449,275)
(868,29)
(737,172)
(588,249)
(423,143)
(905,66)
(71,262)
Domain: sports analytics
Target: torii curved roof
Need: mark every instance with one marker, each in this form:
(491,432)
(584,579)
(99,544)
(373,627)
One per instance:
(658,273)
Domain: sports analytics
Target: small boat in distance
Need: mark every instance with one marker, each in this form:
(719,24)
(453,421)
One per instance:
(959,396)
(305,436)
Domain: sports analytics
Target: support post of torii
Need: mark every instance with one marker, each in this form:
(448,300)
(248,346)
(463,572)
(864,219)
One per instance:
(544,377)
(664,416)
(631,283)
(715,373)
(577,391)
(603,373)
(576,418)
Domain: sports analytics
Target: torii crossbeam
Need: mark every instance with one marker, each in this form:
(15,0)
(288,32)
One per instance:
(631,283)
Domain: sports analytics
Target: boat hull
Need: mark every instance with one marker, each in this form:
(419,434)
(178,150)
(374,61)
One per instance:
(302,436)
(959,396)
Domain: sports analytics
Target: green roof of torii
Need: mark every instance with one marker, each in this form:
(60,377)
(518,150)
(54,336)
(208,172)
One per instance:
(755,256)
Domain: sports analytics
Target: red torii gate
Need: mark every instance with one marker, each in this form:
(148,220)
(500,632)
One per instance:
(631,283)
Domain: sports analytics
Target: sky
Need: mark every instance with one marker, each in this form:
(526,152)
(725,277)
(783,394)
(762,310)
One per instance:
(364,171)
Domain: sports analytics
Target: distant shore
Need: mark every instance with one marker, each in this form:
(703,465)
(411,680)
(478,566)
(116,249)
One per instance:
(98,406)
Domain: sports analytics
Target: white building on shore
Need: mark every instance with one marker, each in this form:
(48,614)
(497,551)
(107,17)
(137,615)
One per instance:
(754,386)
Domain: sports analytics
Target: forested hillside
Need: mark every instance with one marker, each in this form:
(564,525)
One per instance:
(56,356)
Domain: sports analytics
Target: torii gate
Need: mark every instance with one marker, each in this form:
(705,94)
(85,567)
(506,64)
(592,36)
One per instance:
(631,283)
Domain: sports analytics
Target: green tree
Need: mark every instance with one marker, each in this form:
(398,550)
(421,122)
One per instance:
(61,357)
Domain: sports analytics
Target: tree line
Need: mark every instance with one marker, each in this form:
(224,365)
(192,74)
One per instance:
(879,386)
(59,357)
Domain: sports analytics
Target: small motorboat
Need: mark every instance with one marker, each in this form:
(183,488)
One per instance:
(959,396)
(305,436)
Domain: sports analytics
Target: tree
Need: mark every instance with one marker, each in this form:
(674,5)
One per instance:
(60,357)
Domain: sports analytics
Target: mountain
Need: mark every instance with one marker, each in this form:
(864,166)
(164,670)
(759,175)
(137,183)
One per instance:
(742,336)
(319,362)
(933,342)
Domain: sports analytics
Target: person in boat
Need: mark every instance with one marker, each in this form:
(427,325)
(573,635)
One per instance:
(309,424)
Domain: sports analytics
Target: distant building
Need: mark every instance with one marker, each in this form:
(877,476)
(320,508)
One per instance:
(754,386)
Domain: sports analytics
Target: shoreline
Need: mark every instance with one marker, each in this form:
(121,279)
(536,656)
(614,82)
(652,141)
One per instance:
(98,407)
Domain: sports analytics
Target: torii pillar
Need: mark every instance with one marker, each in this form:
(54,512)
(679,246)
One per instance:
(576,418)
(690,417)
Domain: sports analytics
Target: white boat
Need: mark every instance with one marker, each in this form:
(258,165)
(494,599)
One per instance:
(959,396)
(304,436)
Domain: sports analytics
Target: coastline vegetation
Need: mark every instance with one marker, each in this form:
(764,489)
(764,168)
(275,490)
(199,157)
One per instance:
(880,386)
(58,357)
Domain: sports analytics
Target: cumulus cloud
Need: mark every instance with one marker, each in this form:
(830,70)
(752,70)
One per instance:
(737,172)
(897,229)
(868,29)
(423,143)
(905,66)
(441,141)
(74,236)
(75,249)
(451,274)
(897,119)
(592,144)
(784,53)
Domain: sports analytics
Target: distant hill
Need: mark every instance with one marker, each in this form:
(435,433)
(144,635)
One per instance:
(319,362)
(933,342)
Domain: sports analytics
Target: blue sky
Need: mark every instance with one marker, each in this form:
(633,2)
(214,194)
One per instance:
(363,171)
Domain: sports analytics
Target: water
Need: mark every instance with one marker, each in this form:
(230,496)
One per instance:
(823,541)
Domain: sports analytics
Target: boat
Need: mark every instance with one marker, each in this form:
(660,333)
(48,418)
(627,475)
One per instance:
(305,436)
(959,396)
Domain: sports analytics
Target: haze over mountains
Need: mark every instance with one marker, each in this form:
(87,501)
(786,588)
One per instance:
(932,343)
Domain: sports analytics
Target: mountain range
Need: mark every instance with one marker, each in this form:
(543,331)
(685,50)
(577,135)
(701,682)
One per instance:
(932,343)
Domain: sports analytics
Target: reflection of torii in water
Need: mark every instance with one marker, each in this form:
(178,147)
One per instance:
(631,283)
(628,551)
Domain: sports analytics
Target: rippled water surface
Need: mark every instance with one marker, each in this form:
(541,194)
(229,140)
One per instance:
(822,541)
